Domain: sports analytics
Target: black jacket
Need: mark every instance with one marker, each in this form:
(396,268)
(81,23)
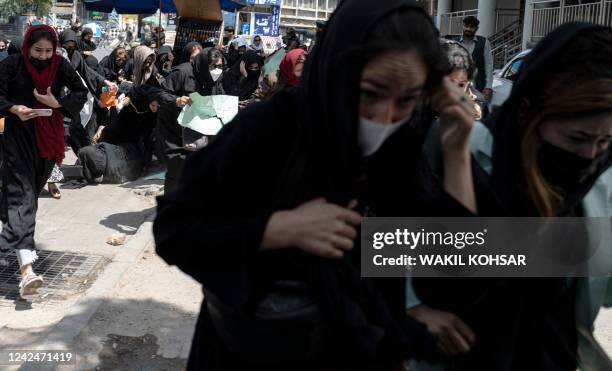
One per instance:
(296,147)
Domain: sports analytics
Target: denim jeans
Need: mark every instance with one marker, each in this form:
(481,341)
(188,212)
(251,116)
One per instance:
(26,256)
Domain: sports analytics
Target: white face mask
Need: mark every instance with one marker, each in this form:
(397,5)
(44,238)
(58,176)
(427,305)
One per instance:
(216,73)
(371,134)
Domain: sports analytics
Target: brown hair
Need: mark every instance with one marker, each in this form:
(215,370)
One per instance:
(581,87)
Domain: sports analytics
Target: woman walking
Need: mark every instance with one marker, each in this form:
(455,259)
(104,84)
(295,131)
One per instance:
(266,217)
(33,137)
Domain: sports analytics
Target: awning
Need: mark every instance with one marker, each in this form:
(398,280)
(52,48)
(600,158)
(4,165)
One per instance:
(130,6)
(151,6)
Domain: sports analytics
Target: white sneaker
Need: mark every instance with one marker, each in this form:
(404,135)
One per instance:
(29,285)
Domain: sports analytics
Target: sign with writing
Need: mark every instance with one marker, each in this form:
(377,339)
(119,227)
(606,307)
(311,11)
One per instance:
(264,2)
(276,21)
(263,24)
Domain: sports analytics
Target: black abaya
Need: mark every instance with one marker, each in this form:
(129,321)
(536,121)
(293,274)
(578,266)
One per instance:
(169,134)
(81,136)
(520,323)
(24,173)
(109,69)
(234,83)
(125,147)
(286,151)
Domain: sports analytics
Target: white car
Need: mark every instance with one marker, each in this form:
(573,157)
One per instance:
(504,79)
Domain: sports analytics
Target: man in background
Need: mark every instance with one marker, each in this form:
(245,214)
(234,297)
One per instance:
(480,48)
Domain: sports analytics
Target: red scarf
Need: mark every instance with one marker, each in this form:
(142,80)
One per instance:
(287,65)
(49,130)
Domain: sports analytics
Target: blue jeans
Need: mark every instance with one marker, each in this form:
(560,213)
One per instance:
(26,256)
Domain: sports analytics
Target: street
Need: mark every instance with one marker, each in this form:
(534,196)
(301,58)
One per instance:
(480,126)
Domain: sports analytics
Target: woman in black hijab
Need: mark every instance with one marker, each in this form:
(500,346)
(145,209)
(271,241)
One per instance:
(304,157)
(209,72)
(85,43)
(82,135)
(122,150)
(548,154)
(164,59)
(15,46)
(32,144)
(243,78)
(112,66)
(168,133)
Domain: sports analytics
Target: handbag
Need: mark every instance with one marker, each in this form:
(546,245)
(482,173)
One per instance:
(286,326)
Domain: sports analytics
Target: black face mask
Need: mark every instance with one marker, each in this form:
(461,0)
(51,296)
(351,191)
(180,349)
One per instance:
(565,169)
(70,52)
(40,64)
(252,74)
(2,49)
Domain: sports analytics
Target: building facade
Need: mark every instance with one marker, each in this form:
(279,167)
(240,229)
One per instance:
(515,25)
(304,14)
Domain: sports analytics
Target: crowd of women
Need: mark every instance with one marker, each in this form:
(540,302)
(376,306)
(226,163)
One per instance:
(376,120)
(52,93)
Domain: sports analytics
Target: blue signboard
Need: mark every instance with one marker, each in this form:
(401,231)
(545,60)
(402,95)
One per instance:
(263,24)
(264,2)
(276,21)
(245,28)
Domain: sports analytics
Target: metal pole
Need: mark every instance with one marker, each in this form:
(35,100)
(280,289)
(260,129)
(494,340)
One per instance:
(561,12)
(602,12)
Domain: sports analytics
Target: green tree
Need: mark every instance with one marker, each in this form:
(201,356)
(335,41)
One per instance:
(17,7)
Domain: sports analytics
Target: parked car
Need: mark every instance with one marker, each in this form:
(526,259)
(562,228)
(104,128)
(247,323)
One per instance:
(504,79)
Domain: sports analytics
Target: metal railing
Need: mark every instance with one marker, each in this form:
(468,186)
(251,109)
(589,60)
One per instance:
(506,43)
(548,15)
(452,23)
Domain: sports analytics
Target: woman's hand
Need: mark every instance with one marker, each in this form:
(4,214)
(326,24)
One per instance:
(317,227)
(47,99)
(98,135)
(454,335)
(456,116)
(24,113)
(183,101)
(456,112)
(243,70)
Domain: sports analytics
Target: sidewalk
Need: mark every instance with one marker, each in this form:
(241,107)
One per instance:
(130,311)
(116,307)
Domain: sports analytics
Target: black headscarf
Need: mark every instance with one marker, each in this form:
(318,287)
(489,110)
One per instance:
(84,33)
(240,86)
(109,68)
(162,61)
(329,92)
(15,46)
(66,36)
(185,56)
(504,122)
(89,74)
(201,70)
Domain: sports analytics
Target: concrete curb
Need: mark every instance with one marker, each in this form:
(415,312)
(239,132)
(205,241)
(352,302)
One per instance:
(62,335)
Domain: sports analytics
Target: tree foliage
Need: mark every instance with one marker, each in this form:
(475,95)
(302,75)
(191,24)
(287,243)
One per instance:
(18,7)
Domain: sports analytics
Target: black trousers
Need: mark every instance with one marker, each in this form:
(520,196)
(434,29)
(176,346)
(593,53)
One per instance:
(24,175)
(169,148)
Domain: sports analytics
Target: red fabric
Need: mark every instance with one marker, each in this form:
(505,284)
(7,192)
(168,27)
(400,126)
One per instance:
(287,65)
(49,130)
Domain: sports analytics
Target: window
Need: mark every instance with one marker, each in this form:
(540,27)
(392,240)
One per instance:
(512,70)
